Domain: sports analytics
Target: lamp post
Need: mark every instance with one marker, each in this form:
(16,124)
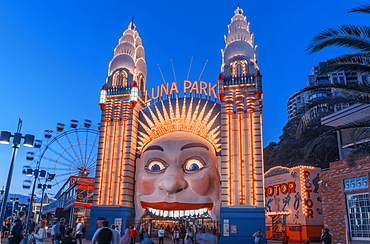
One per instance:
(35,173)
(44,186)
(5,139)
(14,200)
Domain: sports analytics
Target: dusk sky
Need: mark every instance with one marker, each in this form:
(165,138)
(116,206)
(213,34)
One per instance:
(54,55)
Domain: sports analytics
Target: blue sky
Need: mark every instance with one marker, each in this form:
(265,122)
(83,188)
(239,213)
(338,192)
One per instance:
(54,55)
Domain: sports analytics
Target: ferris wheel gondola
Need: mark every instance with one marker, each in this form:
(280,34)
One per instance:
(66,152)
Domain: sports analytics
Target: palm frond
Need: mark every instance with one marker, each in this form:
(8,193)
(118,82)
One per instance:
(355,43)
(357,58)
(352,36)
(361,9)
(351,67)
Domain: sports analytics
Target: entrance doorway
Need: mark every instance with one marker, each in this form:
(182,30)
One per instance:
(198,227)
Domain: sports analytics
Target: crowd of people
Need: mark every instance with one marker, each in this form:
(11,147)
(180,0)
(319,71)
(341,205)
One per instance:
(16,231)
(143,235)
(20,231)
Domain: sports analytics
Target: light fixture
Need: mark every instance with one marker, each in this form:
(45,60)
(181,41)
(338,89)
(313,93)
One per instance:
(29,172)
(5,137)
(42,173)
(29,140)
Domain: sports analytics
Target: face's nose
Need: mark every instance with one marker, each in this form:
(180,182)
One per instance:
(173,180)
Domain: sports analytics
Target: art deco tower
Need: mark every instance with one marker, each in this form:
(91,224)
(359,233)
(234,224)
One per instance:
(121,100)
(240,91)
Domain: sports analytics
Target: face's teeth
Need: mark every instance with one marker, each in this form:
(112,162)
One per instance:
(165,214)
(156,212)
(182,213)
(176,214)
(205,210)
(192,212)
(170,214)
(187,213)
(201,211)
(196,212)
(161,213)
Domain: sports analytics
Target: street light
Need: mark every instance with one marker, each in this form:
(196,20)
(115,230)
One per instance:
(44,187)
(5,139)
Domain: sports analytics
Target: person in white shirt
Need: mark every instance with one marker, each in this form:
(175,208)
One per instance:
(161,235)
(79,232)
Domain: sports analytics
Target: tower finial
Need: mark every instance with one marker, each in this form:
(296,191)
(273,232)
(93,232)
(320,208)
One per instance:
(132,23)
(239,10)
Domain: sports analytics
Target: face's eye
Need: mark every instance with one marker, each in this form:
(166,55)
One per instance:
(193,165)
(156,166)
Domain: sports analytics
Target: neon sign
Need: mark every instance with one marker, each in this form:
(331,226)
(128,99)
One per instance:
(199,87)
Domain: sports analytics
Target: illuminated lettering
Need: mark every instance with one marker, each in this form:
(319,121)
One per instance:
(158,93)
(147,99)
(211,89)
(187,85)
(309,213)
(194,87)
(174,88)
(291,187)
(203,87)
(309,203)
(284,188)
(164,89)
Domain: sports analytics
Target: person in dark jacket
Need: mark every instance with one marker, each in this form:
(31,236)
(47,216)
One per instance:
(68,239)
(16,236)
(326,237)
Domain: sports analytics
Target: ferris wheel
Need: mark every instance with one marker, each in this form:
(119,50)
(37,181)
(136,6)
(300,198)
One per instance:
(67,151)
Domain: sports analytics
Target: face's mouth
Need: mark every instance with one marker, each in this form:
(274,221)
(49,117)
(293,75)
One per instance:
(176,209)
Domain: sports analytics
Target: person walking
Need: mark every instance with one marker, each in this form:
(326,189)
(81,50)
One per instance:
(40,235)
(146,239)
(127,238)
(258,237)
(79,232)
(191,234)
(116,234)
(16,236)
(103,235)
(161,235)
(133,232)
(325,236)
(31,226)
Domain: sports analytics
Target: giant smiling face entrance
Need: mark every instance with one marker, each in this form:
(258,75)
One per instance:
(177,176)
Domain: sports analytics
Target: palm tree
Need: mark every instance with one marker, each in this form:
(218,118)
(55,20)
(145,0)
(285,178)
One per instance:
(352,36)
(358,39)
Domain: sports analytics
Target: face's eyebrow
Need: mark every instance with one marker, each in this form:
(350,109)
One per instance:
(191,145)
(155,147)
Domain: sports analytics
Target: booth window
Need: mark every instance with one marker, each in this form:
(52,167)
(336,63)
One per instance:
(358,206)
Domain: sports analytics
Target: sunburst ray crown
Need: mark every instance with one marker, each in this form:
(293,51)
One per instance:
(195,115)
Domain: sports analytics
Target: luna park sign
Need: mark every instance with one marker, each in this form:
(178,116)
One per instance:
(198,87)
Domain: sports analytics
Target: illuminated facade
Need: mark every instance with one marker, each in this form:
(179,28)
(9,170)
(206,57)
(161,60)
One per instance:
(293,203)
(183,155)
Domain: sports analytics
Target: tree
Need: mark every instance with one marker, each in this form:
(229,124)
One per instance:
(358,39)
(290,150)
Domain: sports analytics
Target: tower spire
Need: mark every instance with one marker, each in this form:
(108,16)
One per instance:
(132,23)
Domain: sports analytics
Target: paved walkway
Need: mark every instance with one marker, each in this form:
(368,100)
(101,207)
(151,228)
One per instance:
(166,241)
